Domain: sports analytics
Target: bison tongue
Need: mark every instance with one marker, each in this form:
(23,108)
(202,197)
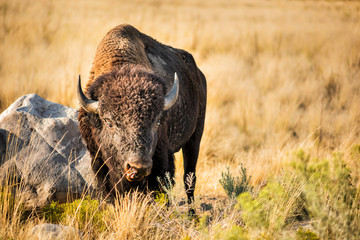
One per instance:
(133,175)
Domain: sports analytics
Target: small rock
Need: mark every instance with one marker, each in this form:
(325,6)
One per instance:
(205,207)
(48,231)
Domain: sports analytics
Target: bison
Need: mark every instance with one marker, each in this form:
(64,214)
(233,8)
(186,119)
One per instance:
(143,102)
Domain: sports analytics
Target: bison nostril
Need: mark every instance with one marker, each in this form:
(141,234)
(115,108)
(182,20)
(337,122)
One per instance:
(127,167)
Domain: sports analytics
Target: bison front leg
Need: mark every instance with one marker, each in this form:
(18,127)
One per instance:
(190,154)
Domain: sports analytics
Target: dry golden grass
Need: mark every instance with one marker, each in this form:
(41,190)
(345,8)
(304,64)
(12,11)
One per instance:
(281,75)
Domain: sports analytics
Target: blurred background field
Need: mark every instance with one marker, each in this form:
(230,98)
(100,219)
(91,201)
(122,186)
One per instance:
(282,75)
(283,100)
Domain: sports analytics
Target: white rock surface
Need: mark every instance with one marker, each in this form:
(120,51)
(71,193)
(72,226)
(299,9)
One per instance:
(41,145)
(48,231)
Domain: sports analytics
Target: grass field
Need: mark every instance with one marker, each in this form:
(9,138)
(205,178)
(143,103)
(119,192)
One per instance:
(283,90)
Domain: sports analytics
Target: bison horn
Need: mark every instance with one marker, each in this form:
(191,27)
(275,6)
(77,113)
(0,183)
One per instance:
(87,104)
(171,97)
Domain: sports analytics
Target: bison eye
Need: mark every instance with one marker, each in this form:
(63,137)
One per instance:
(108,122)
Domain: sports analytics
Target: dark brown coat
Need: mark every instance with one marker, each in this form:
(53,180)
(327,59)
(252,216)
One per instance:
(130,77)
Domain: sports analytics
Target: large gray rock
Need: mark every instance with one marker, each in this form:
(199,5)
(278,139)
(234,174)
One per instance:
(42,150)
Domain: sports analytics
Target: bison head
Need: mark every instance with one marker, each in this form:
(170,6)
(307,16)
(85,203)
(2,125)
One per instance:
(128,104)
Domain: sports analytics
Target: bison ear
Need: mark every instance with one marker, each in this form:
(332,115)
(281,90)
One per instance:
(171,97)
(87,104)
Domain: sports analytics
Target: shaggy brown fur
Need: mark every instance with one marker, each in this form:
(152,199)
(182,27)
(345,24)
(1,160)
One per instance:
(130,77)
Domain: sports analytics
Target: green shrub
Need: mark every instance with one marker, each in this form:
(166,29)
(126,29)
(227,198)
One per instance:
(165,195)
(331,200)
(161,198)
(54,213)
(272,209)
(84,212)
(252,211)
(234,186)
(234,233)
(204,221)
(303,234)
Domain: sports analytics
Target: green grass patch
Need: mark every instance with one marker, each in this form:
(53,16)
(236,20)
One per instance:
(84,212)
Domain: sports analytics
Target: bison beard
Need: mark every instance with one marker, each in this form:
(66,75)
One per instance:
(136,115)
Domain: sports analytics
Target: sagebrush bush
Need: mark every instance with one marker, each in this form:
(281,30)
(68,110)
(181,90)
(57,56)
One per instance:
(318,192)
(306,234)
(53,213)
(235,232)
(234,186)
(332,200)
(273,208)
